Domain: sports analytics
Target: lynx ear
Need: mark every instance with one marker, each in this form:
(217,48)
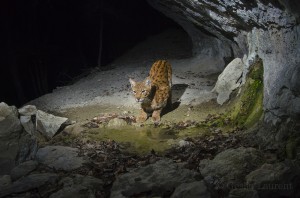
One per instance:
(147,81)
(132,82)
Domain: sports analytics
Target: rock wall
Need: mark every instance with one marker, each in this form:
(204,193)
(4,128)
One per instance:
(268,29)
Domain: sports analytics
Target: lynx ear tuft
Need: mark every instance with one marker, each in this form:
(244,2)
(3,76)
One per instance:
(147,81)
(132,82)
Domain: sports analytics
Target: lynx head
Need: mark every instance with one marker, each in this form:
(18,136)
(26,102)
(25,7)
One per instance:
(141,90)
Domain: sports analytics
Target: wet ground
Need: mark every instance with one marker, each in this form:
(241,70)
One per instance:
(106,93)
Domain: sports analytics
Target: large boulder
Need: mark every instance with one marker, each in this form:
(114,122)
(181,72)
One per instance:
(10,132)
(197,189)
(23,169)
(229,168)
(229,80)
(10,126)
(60,157)
(78,186)
(48,124)
(276,180)
(28,183)
(28,110)
(28,117)
(158,179)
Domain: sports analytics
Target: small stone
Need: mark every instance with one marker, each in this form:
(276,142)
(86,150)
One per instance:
(184,143)
(28,110)
(48,124)
(74,129)
(116,122)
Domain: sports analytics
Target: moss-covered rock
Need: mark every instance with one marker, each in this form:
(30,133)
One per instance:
(248,108)
(291,147)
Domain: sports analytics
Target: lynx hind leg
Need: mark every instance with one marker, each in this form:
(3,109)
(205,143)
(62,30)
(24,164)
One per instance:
(156,116)
(169,70)
(169,101)
(142,117)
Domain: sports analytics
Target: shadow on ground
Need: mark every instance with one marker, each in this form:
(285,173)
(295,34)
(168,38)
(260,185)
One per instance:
(177,92)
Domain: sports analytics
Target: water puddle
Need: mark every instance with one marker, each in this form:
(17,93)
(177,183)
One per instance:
(143,140)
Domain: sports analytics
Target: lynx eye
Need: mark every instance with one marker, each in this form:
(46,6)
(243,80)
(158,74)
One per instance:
(143,91)
(134,92)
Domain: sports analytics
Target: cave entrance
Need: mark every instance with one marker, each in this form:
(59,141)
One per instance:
(54,43)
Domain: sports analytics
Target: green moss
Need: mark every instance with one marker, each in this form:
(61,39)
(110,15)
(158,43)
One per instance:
(248,108)
(291,147)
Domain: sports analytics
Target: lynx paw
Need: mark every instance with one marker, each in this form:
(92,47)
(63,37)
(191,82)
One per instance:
(156,116)
(142,117)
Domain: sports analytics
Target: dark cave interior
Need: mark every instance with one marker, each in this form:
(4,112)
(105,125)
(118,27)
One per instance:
(50,43)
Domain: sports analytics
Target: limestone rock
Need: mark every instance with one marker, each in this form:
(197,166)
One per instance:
(28,124)
(28,146)
(157,179)
(243,193)
(78,186)
(23,169)
(77,191)
(75,129)
(28,110)
(60,157)
(195,189)
(230,167)
(48,124)
(116,122)
(10,125)
(10,132)
(276,180)
(229,80)
(27,183)
(184,143)
(269,30)
(5,180)
(28,118)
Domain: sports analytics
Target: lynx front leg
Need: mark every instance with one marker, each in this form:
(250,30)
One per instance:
(142,117)
(156,116)
(169,101)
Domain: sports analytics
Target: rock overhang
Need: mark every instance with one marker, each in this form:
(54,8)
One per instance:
(249,30)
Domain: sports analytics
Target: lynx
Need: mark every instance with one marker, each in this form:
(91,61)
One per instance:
(154,93)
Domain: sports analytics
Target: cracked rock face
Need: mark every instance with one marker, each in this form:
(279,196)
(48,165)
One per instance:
(268,29)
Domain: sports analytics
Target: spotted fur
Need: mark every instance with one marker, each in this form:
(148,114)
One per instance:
(154,93)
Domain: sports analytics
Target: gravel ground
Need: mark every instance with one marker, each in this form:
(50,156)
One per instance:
(193,77)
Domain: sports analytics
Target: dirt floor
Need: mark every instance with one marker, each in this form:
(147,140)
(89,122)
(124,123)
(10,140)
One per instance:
(105,93)
(193,77)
